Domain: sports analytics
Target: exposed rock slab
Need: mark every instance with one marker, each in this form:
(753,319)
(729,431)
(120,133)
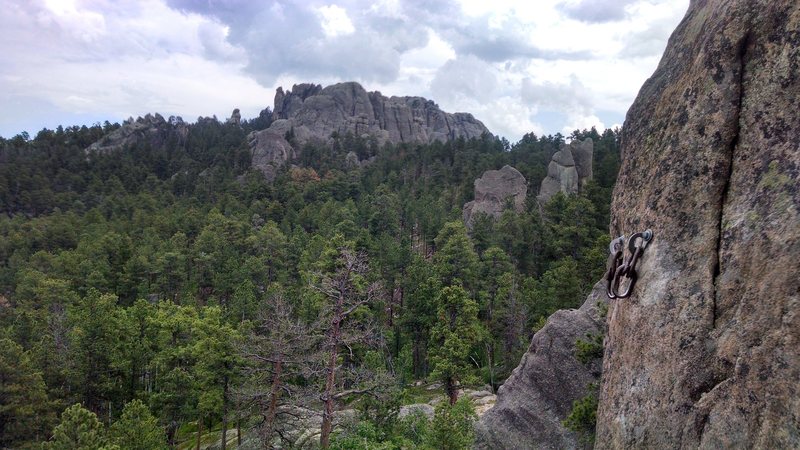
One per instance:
(309,112)
(706,353)
(539,393)
(569,168)
(151,129)
(492,191)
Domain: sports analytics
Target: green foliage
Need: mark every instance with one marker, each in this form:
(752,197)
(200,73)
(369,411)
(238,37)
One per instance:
(132,274)
(94,334)
(452,426)
(25,415)
(455,333)
(590,349)
(582,419)
(137,429)
(455,258)
(79,429)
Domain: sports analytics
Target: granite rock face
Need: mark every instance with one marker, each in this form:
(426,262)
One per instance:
(569,169)
(309,112)
(706,352)
(493,190)
(151,129)
(539,393)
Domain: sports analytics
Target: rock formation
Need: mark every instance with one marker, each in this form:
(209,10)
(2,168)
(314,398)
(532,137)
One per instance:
(310,112)
(493,189)
(706,352)
(539,393)
(151,129)
(569,169)
(235,118)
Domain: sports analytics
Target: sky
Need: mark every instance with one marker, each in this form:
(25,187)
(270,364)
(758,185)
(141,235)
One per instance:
(541,66)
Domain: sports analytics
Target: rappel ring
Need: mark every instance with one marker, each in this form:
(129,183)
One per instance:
(618,267)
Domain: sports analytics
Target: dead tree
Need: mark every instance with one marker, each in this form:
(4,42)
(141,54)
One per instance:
(279,348)
(347,293)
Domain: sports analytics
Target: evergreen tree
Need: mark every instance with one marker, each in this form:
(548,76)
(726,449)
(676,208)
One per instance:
(137,429)
(93,337)
(454,335)
(453,426)
(25,414)
(79,429)
(455,257)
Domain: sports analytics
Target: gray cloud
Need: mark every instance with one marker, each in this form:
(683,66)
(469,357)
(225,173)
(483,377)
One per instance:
(650,42)
(596,11)
(464,76)
(572,97)
(288,38)
(282,37)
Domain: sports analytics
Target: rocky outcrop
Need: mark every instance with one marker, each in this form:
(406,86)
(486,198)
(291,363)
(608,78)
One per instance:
(492,192)
(310,112)
(151,129)
(538,395)
(569,169)
(706,352)
(235,118)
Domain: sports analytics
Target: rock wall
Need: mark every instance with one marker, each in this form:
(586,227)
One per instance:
(310,112)
(569,168)
(539,393)
(151,129)
(493,189)
(706,352)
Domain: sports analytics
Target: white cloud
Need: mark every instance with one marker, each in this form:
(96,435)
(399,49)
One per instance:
(334,21)
(519,66)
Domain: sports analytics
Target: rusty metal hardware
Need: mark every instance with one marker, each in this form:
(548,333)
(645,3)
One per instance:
(619,268)
(614,260)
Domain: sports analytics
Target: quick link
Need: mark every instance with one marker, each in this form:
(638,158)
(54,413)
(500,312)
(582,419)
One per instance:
(619,268)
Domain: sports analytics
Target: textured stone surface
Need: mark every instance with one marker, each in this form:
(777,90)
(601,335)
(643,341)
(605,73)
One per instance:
(416,408)
(569,168)
(151,129)
(539,393)
(582,152)
(706,352)
(493,189)
(313,113)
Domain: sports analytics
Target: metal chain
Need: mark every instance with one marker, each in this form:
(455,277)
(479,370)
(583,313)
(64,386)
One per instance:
(619,268)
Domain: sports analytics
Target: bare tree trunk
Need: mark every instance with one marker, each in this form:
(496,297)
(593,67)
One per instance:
(199,432)
(327,414)
(451,390)
(225,413)
(273,404)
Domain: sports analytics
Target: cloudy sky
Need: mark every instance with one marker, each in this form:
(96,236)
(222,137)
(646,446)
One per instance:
(531,65)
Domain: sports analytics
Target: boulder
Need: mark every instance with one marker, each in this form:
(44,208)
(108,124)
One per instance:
(492,192)
(416,408)
(151,129)
(311,113)
(538,394)
(706,352)
(569,168)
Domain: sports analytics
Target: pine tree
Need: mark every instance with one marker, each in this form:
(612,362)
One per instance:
(79,429)
(346,293)
(454,335)
(25,413)
(455,257)
(137,429)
